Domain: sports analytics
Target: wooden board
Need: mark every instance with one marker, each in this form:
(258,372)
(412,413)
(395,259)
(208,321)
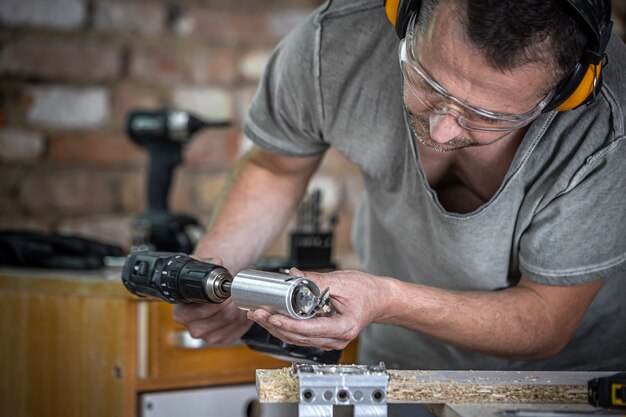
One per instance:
(444,387)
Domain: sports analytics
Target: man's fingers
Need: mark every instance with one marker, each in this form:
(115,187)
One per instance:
(227,334)
(216,260)
(331,327)
(301,340)
(316,277)
(216,331)
(187,313)
(328,327)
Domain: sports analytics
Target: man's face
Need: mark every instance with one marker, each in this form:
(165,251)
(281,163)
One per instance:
(448,58)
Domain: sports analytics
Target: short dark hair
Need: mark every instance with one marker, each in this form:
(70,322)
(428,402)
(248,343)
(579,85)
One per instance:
(512,33)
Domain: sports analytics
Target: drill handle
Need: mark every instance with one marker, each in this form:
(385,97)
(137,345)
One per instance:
(164,157)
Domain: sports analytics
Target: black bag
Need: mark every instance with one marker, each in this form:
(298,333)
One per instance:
(37,249)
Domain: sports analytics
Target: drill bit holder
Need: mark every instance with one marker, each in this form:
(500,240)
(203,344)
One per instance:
(296,297)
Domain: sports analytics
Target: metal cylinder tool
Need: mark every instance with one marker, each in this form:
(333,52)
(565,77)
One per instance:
(296,297)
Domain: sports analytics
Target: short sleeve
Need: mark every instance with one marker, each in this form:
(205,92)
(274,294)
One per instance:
(580,235)
(285,115)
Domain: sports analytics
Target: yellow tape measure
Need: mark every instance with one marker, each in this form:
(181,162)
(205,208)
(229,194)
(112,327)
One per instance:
(608,392)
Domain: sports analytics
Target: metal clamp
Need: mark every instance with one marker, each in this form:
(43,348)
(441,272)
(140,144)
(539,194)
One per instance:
(323,386)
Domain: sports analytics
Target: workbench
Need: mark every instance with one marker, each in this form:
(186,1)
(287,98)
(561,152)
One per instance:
(446,393)
(76,343)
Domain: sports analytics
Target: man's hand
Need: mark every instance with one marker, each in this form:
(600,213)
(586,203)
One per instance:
(214,323)
(526,322)
(356,299)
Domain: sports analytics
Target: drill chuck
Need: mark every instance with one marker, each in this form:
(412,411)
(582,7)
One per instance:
(176,278)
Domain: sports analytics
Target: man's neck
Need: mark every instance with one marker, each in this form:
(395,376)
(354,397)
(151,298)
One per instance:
(467,178)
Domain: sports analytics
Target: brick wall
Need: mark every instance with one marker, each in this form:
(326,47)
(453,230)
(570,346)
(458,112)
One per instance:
(71,69)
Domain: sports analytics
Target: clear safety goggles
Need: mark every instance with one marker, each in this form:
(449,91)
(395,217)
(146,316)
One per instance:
(437,100)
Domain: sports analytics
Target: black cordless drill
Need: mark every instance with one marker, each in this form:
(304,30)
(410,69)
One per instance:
(180,279)
(163,133)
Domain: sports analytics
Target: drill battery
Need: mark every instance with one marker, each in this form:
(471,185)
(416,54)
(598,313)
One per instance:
(608,392)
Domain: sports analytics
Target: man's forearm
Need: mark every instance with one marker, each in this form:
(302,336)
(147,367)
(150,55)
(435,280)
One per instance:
(530,321)
(256,207)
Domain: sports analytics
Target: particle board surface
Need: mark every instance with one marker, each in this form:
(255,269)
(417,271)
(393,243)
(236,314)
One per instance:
(517,410)
(449,387)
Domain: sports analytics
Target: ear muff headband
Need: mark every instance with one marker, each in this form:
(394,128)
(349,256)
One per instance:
(399,13)
(584,81)
(391,9)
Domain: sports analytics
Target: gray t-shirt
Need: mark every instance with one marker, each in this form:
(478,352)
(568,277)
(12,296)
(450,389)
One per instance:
(559,217)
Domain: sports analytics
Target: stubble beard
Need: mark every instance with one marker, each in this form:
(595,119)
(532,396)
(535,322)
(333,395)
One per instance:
(420,127)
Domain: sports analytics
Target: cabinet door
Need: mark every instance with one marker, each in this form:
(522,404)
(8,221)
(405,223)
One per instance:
(182,364)
(65,355)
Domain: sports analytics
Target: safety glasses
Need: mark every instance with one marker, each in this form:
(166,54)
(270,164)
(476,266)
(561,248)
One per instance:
(437,100)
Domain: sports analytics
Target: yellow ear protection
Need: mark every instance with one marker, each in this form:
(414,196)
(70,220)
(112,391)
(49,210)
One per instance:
(584,81)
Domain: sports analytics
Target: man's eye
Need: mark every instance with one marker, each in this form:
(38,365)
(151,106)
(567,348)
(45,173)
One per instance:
(483,119)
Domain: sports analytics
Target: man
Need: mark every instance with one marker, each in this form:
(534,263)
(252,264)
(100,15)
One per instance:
(491,230)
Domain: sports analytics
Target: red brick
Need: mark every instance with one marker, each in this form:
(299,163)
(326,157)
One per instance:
(48,192)
(212,148)
(216,65)
(252,64)
(142,17)
(133,190)
(171,65)
(57,59)
(64,106)
(283,20)
(10,178)
(230,26)
(127,97)
(181,198)
(106,228)
(25,223)
(96,148)
(163,65)
(20,145)
(243,100)
(207,103)
(58,14)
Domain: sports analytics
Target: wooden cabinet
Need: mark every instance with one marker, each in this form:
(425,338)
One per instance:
(66,346)
(78,344)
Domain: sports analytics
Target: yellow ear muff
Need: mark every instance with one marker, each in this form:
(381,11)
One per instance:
(391,8)
(584,89)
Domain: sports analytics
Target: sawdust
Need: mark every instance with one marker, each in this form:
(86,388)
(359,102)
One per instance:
(441,387)
(276,386)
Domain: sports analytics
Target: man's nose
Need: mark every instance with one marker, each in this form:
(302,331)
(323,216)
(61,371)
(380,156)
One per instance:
(444,127)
